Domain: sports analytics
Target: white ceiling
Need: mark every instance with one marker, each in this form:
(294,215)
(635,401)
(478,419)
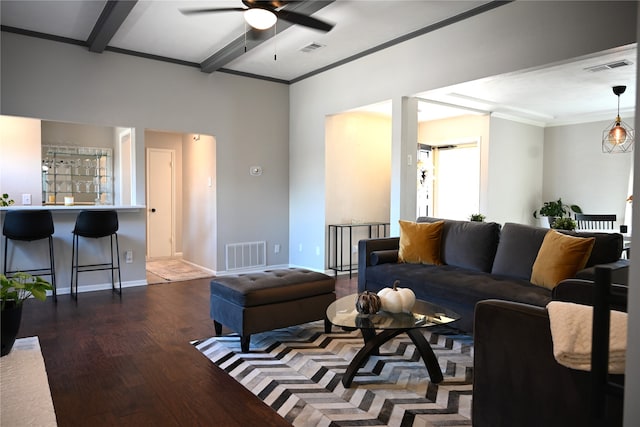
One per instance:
(557,94)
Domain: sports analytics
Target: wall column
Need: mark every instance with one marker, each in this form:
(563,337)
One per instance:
(404,140)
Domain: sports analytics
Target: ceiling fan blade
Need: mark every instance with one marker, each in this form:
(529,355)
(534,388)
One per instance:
(304,20)
(212,10)
(266,4)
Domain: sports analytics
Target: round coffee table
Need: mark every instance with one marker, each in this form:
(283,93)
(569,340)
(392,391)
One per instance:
(343,313)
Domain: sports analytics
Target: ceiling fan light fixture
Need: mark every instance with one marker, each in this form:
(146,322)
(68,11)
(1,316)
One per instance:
(260,18)
(619,136)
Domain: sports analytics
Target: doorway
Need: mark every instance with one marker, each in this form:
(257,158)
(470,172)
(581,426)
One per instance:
(456,180)
(160,203)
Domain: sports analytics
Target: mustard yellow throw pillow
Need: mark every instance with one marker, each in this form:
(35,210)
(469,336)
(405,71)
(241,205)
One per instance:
(420,242)
(560,257)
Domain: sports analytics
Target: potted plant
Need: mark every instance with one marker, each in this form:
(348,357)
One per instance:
(556,209)
(477,217)
(564,224)
(14,291)
(5,200)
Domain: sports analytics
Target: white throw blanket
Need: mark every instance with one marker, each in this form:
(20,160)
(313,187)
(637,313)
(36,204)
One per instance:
(571,327)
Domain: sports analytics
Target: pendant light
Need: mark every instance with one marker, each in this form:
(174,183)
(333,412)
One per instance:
(619,136)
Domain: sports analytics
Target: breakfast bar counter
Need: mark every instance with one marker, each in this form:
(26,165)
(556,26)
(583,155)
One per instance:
(132,239)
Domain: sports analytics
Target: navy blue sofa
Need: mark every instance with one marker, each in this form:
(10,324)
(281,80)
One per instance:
(481,261)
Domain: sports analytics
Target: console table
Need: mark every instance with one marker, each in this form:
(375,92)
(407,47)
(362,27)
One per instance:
(337,233)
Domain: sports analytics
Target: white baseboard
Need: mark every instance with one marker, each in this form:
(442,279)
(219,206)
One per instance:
(99,287)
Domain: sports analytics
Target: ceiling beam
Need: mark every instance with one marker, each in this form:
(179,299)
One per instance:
(111,18)
(253,38)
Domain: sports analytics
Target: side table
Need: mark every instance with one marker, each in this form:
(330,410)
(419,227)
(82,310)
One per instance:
(336,236)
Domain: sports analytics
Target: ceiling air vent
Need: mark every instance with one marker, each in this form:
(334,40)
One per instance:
(609,66)
(312,47)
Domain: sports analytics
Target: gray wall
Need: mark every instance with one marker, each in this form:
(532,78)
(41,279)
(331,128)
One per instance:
(517,36)
(605,176)
(514,187)
(248,117)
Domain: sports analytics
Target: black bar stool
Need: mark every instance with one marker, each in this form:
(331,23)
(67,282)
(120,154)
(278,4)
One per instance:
(27,226)
(94,225)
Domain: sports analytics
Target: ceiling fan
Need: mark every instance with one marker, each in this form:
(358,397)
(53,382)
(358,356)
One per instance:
(263,14)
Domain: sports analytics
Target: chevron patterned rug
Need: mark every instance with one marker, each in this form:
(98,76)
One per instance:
(298,371)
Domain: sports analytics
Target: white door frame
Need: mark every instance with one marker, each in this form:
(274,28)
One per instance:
(173,196)
(127,186)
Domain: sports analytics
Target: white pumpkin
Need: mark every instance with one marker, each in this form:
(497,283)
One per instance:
(397,300)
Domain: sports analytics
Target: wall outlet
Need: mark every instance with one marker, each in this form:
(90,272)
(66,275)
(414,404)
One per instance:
(299,247)
(128,257)
(354,249)
(317,250)
(276,248)
(26,199)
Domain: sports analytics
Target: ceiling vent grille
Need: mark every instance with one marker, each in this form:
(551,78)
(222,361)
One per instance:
(609,66)
(311,47)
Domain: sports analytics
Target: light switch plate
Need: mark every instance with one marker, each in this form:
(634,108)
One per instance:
(26,199)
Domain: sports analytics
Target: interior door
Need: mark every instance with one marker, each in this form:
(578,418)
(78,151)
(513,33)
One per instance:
(160,203)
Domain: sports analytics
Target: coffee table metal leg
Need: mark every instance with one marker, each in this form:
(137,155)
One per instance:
(427,354)
(371,345)
(374,341)
(368,335)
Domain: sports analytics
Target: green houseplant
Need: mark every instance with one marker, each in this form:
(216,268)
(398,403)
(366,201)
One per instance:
(5,200)
(14,291)
(556,209)
(477,217)
(564,224)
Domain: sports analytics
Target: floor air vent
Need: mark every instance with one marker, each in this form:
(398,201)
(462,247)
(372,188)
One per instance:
(242,256)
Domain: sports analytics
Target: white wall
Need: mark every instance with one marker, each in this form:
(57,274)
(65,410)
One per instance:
(76,134)
(576,169)
(358,153)
(513,37)
(514,185)
(20,152)
(249,118)
(199,200)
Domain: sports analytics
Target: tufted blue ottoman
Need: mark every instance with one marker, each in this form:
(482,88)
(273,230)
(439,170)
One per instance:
(258,302)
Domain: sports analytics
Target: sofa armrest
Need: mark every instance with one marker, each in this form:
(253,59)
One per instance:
(517,381)
(366,247)
(582,291)
(619,272)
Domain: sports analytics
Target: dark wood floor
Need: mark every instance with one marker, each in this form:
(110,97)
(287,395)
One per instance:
(128,362)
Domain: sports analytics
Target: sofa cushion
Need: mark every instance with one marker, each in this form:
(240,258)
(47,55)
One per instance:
(455,288)
(420,243)
(560,257)
(518,249)
(519,245)
(468,244)
(607,247)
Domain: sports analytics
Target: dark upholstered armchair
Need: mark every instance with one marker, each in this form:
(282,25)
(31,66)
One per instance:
(517,381)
